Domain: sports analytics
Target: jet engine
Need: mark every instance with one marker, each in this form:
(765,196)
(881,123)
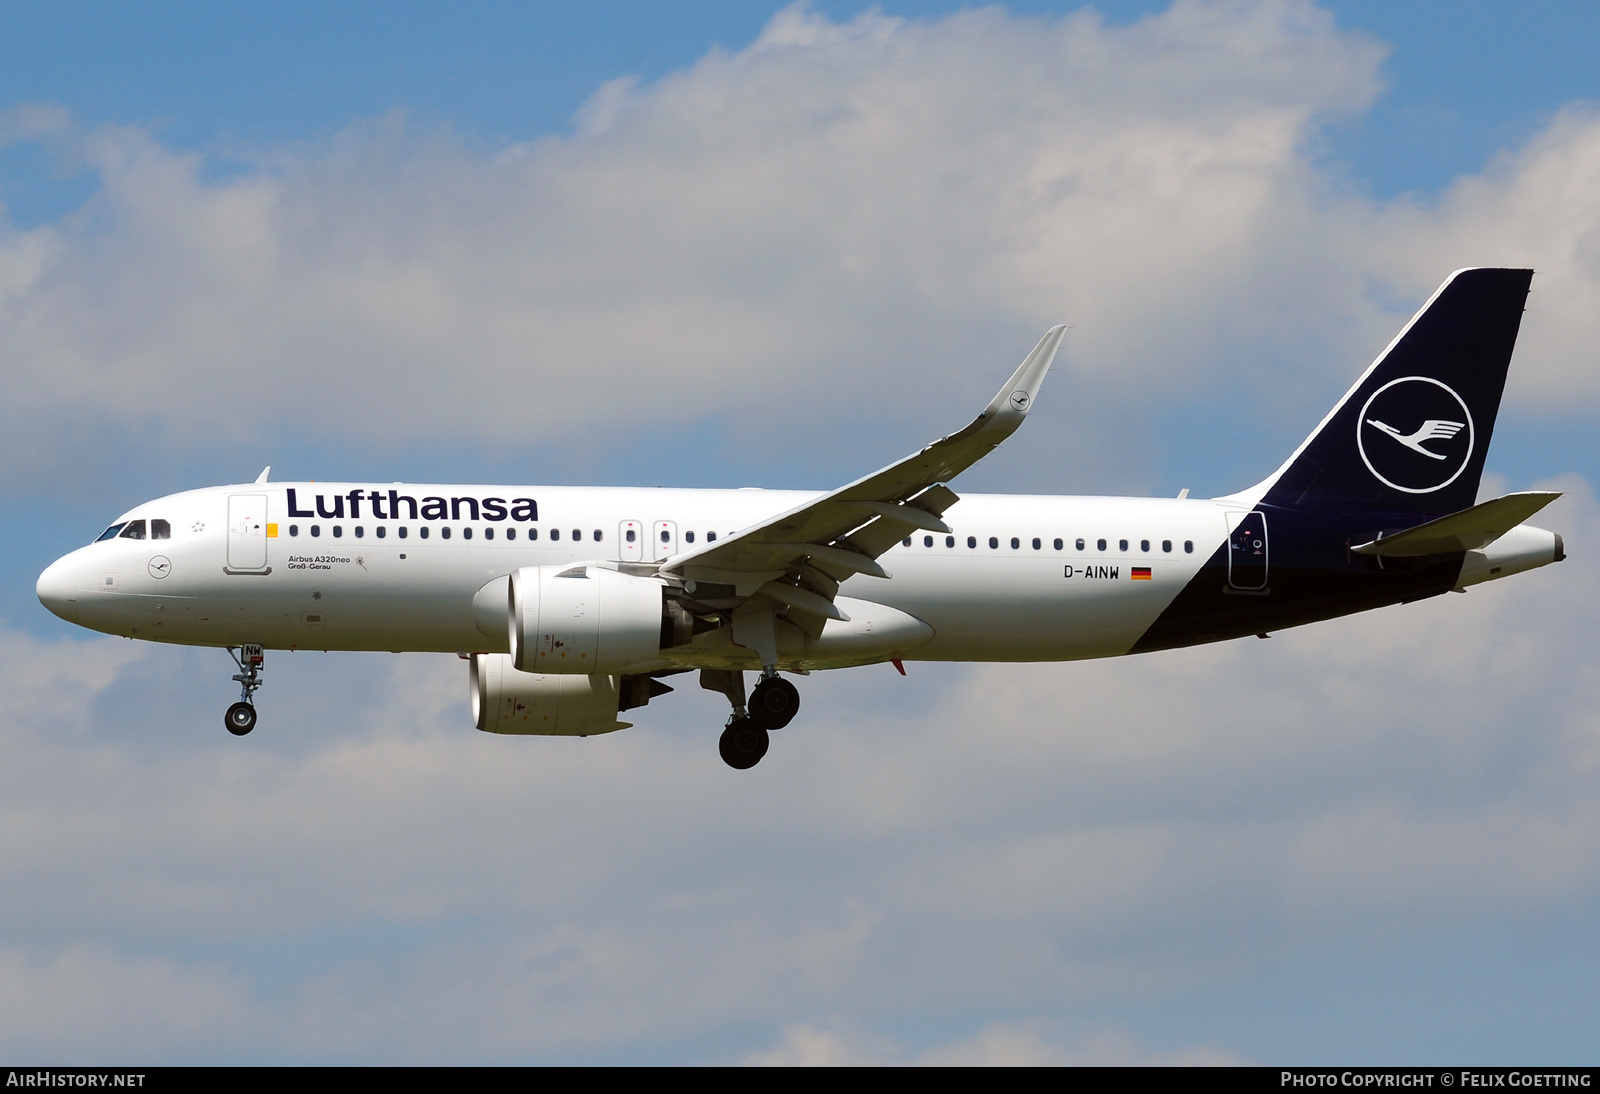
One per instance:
(588,619)
(505,700)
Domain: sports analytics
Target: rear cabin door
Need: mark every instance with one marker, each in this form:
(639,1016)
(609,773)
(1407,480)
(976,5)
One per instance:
(1247,551)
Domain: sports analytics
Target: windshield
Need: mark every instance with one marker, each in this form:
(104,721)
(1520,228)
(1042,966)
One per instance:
(109,533)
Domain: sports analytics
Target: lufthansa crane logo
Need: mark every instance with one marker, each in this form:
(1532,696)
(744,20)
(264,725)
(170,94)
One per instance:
(1415,435)
(1019,400)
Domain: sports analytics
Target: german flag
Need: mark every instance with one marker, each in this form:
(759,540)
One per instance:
(1140,573)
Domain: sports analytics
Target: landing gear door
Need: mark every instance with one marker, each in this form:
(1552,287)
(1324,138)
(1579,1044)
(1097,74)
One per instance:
(247,533)
(664,539)
(1247,551)
(631,536)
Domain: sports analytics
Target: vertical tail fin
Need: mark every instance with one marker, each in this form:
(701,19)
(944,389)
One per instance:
(1412,434)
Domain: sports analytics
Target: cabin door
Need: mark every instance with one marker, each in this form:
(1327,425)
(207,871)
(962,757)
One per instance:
(1247,551)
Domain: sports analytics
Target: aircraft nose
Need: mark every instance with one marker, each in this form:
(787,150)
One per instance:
(58,588)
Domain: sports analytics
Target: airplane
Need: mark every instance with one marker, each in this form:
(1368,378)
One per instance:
(573,605)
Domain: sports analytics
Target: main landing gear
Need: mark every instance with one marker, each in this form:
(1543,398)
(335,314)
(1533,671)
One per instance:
(773,705)
(241,717)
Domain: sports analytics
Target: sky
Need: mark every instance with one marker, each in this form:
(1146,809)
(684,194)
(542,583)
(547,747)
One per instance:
(745,244)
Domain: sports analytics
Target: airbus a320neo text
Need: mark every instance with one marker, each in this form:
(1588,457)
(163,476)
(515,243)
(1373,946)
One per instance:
(573,605)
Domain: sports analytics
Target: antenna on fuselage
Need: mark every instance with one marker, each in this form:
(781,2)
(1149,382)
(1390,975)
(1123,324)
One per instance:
(264,471)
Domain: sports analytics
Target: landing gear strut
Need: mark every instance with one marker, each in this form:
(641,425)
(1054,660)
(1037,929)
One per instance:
(241,717)
(773,705)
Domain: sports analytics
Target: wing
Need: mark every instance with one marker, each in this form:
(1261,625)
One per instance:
(797,559)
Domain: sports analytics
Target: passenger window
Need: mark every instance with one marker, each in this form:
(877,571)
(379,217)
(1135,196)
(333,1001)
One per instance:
(927,541)
(577,535)
(1100,543)
(316,529)
(555,533)
(160,529)
(422,532)
(511,533)
(360,532)
(294,529)
(134,530)
(906,542)
(1058,545)
(711,537)
(1080,545)
(949,541)
(1188,546)
(382,531)
(466,533)
(1122,545)
(1144,545)
(109,533)
(1035,543)
(972,541)
(994,543)
(1016,543)
(488,533)
(444,533)
(533,533)
(1166,545)
(688,537)
(632,535)
(597,536)
(401,531)
(338,531)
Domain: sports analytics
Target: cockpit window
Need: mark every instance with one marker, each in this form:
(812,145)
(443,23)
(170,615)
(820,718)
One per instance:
(160,529)
(134,530)
(110,533)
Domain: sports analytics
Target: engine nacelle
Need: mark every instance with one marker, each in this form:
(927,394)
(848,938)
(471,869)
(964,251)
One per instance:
(505,700)
(585,619)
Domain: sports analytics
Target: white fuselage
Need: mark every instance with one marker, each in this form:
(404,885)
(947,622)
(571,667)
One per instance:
(1012,582)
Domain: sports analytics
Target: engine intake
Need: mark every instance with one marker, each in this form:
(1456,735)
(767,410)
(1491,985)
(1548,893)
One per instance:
(587,619)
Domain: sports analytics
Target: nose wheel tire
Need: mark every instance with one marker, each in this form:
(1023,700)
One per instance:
(241,719)
(743,744)
(774,703)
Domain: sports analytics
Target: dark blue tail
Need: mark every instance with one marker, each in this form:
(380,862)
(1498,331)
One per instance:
(1412,434)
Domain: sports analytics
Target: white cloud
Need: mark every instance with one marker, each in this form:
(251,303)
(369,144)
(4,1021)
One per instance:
(85,1003)
(842,228)
(838,221)
(1003,1044)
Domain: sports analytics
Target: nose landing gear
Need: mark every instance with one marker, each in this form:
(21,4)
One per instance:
(241,716)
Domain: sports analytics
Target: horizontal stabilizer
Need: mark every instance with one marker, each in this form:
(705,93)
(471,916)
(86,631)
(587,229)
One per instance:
(1467,530)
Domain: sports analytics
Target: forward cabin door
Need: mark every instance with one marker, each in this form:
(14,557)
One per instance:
(247,533)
